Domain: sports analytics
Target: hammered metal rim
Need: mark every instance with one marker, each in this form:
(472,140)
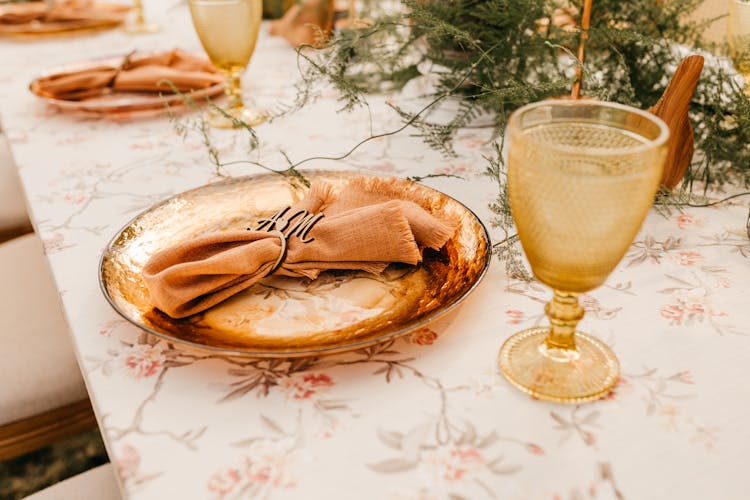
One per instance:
(349,345)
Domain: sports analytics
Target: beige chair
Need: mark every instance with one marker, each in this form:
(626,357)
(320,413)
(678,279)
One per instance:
(43,397)
(13,217)
(98,483)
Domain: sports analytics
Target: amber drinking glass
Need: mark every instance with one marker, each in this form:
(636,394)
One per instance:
(582,176)
(228,31)
(738,38)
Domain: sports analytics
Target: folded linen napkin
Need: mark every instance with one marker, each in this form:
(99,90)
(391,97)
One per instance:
(62,11)
(136,74)
(23,12)
(366,226)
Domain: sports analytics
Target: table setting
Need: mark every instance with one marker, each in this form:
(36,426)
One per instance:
(135,82)
(45,18)
(283,280)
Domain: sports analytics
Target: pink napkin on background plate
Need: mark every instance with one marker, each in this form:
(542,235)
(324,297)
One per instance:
(186,71)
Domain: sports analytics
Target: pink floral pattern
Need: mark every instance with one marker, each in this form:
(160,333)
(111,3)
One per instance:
(457,462)
(306,385)
(74,198)
(535,449)
(142,361)
(55,243)
(224,481)
(456,169)
(688,258)
(267,465)
(514,316)
(129,470)
(424,336)
(690,306)
(109,326)
(685,221)
(128,463)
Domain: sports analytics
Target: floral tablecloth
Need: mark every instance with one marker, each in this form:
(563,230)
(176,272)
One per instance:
(424,417)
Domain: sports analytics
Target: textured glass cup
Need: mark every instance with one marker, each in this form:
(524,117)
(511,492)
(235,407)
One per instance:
(738,38)
(582,176)
(228,31)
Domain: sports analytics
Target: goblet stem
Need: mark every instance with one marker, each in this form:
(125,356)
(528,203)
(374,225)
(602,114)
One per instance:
(233,88)
(139,25)
(235,107)
(140,20)
(564,313)
(556,362)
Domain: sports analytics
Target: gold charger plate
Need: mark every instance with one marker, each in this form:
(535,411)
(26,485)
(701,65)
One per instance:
(286,317)
(119,103)
(118,14)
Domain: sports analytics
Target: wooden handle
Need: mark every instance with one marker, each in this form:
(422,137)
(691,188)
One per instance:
(675,101)
(673,107)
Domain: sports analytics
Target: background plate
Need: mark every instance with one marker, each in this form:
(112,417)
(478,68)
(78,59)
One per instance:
(119,102)
(285,317)
(118,14)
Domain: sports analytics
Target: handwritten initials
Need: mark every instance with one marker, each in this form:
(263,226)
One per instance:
(297,224)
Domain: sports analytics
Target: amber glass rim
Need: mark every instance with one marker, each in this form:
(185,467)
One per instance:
(514,124)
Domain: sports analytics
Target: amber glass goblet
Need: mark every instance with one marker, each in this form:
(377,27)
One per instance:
(228,31)
(738,38)
(582,175)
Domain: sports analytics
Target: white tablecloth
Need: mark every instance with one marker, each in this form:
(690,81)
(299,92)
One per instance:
(426,417)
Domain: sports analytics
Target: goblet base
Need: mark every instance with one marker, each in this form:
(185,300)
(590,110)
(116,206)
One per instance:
(248,116)
(563,376)
(141,28)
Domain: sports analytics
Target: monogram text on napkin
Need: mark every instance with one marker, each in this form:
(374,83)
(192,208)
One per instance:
(299,228)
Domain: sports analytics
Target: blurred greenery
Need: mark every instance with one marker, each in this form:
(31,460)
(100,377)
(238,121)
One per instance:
(273,9)
(22,476)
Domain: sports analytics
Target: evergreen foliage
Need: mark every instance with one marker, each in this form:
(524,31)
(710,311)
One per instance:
(497,55)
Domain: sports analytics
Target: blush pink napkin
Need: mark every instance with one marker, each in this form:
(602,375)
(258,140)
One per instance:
(367,225)
(136,74)
(72,11)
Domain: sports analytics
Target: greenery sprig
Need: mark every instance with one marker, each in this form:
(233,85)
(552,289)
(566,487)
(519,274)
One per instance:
(520,51)
(515,51)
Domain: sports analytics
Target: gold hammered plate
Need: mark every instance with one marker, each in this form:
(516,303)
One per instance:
(291,317)
(119,103)
(118,13)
